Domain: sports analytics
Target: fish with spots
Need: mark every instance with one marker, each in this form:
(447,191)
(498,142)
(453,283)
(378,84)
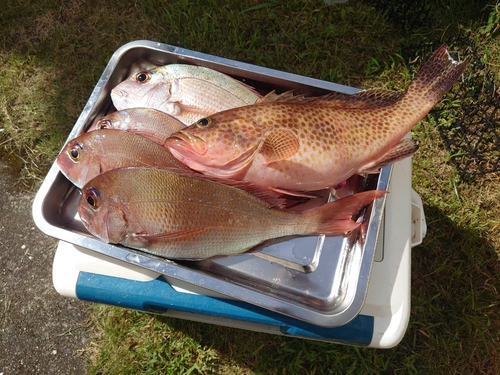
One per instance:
(295,144)
(179,215)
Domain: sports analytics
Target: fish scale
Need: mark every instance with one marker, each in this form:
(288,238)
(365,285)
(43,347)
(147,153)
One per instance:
(305,144)
(181,216)
(186,92)
(147,122)
(90,154)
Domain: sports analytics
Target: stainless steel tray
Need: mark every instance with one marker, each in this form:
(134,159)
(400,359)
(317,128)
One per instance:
(317,279)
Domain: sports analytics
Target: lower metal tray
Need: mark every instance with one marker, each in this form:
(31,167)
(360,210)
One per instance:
(318,279)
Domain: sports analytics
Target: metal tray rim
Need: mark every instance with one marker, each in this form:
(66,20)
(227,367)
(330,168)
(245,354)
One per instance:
(169,268)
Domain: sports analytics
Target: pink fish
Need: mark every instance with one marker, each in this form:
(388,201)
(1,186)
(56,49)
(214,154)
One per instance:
(147,122)
(96,152)
(182,216)
(294,143)
(187,92)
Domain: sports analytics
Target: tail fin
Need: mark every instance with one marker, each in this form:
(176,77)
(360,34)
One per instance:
(335,218)
(437,76)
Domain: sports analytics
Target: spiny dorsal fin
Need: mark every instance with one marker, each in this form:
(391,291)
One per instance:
(372,98)
(285,97)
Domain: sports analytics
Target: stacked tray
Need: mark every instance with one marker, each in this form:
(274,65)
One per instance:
(318,279)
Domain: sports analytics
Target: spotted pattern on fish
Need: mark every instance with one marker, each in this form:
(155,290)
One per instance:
(335,136)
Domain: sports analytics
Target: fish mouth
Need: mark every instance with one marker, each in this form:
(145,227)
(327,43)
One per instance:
(85,218)
(118,92)
(183,142)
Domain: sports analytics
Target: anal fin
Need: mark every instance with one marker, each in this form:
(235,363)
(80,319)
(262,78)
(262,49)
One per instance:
(405,148)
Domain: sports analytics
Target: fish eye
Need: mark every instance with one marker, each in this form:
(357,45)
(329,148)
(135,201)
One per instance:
(74,153)
(103,123)
(204,122)
(91,201)
(142,77)
(93,198)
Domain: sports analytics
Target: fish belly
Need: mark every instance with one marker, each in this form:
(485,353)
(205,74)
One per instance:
(293,175)
(200,232)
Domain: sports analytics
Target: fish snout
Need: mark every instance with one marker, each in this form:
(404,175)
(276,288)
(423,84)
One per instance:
(92,223)
(181,140)
(119,97)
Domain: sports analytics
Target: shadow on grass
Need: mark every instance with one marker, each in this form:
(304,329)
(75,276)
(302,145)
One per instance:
(455,286)
(433,17)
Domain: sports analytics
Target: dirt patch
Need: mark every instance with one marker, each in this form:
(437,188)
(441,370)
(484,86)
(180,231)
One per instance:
(41,332)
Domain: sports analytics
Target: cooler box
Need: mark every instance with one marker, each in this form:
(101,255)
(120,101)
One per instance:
(353,290)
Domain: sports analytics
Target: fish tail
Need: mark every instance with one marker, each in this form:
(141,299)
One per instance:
(335,218)
(437,76)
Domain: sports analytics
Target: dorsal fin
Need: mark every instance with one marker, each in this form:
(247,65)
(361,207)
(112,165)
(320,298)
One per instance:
(373,98)
(268,98)
(285,97)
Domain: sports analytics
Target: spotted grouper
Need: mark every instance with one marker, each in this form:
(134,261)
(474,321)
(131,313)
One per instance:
(295,143)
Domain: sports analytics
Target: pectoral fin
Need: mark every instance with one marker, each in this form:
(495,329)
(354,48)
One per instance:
(280,144)
(148,238)
(192,109)
(297,193)
(402,150)
(237,168)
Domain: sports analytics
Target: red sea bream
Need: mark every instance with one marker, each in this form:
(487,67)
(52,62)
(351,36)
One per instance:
(147,122)
(182,216)
(187,92)
(99,151)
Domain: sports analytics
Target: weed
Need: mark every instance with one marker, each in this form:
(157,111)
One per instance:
(492,27)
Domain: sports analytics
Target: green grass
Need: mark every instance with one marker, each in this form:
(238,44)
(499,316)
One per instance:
(52,54)
(158,345)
